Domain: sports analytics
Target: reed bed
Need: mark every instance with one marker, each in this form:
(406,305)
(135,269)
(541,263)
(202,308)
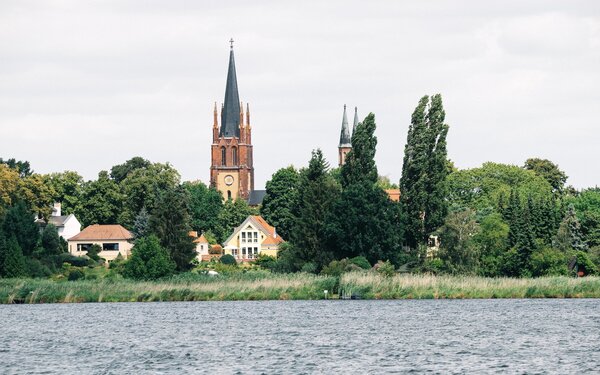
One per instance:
(406,286)
(266,286)
(273,287)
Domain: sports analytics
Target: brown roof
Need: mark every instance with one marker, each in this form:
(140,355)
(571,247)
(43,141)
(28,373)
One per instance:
(273,238)
(201,239)
(393,194)
(103,232)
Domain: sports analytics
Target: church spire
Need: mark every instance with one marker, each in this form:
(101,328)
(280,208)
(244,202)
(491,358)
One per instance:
(345,140)
(230,114)
(355,120)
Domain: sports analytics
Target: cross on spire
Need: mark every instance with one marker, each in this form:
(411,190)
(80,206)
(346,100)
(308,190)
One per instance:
(231,42)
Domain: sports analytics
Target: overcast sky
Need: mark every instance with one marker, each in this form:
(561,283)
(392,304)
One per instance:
(85,85)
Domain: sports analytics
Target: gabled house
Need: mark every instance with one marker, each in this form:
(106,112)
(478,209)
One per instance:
(67,226)
(253,237)
(112,239)
(202,246)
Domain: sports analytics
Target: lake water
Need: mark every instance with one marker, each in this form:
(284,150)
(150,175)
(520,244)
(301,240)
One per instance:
(302,337)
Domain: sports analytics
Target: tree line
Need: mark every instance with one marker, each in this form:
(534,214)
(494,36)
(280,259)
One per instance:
(495,220)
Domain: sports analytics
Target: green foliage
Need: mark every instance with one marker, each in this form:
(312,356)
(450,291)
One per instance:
(265,261)
(364,222)
(386,268)
(585,263)
(360,161)
(23,168)
(492,183)
(206,205)
(228,259)
(12,262)
(101,201)
(548,262)
(569,236)
(51,241)
(281,200)
(170,222)
(549,171)
(119,172)
(424,171)
(316,194)
(492,242)
(362,262)
(75,274)
(18,222)
(67,188)
(141,224)
(149,260)
(458,245)
(36,191)
(309,267)
(587,207)
(144,187)
(338,267)
(93,252)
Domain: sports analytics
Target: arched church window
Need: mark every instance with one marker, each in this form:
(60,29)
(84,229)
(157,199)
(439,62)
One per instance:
(223,156)
(228,194)
(234,153)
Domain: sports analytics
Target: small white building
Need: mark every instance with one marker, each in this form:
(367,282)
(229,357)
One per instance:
(66,226)
(202,246)
(112,239)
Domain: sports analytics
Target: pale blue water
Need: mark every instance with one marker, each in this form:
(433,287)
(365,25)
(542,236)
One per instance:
(303,337)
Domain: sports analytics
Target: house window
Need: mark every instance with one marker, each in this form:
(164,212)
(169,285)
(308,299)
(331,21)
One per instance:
(256,237)
(255,251)
(83,246)
(234,154)
(223,156)
(243,236)
(243,252)
(110,247)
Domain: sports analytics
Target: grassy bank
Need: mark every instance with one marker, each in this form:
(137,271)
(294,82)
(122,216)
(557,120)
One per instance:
(265,286)
(186,288)
(372,286)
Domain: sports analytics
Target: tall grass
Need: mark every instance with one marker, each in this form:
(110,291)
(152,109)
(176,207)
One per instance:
(182,288)
(267,286)
(373,286)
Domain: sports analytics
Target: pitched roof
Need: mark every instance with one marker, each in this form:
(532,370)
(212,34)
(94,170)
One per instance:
(201,239)
(58,221)
(103,232)
(393,194)
(256,197)
(263,226)
(345,140)
(355,120)
(230,113)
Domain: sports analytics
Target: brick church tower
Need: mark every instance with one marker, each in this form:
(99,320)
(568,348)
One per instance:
(231,170)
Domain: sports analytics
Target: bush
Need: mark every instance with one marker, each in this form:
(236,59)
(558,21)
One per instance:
(584,260)
(362,262)
(35,268)
(338,267)
(309,267)
(265,261)
(71,259)
(149,260)
(386,268)
(75,274)
(228,259)
(548,262)
(93,251)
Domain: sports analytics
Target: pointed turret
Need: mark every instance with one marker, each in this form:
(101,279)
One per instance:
(355,120)
(230,115)
(345,140)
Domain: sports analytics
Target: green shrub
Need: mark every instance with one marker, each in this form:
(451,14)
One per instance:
(149,260)
(75,274)
(309,267)
(93,251)
(386,268)
(228,259)
(584,260)
(548,262)
(362,262)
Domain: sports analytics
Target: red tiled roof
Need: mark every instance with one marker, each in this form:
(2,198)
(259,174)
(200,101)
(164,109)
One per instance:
(103,232)
(393,194)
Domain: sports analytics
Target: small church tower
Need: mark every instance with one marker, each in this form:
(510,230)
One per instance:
(231,170)
(345,137)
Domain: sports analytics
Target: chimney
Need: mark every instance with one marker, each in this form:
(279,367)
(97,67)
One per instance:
(274,232)
(56,209)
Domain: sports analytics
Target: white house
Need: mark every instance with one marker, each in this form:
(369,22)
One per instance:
(112,239)
(67,226)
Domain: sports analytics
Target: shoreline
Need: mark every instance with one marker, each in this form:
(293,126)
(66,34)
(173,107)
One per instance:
(249,287)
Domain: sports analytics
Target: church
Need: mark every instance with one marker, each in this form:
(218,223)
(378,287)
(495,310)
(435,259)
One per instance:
(232,169)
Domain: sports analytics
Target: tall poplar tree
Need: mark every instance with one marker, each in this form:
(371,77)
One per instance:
(281,200)
(424,171)
(364,221)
